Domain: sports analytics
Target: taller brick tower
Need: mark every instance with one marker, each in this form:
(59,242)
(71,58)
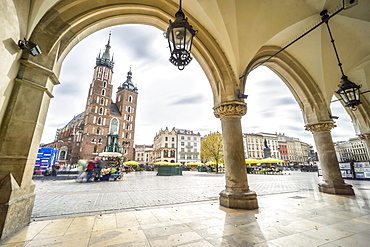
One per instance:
(104,126)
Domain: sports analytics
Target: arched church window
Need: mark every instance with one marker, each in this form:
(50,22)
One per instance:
(99,120)
(98,131)
(62,155)
(129,109)
(103,92)
(114,126)
(130,98)
(95,149)
(102,101)
(99,141)
(93,140)
(105,83)
(101,111)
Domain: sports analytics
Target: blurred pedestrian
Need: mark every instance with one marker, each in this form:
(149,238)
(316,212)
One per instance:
(90,169)
(54,169)
(81,169)
(98,167)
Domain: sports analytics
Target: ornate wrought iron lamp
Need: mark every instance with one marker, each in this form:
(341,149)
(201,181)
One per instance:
(348,91)
(180,38)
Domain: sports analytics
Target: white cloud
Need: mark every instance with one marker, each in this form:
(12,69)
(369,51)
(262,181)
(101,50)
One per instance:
(169,97)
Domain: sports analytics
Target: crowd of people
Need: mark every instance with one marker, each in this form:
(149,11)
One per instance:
(90,170)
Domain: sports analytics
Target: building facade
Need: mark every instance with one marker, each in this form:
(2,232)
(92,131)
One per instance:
(188,144)
(105,125)
(352,150)
(144,154)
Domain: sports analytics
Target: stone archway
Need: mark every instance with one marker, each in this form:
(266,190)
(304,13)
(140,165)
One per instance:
(62,27)
(315,110)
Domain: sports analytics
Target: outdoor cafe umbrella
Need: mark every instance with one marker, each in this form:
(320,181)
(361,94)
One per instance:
(110,154)
(131,163)
(251,161)
(271,160)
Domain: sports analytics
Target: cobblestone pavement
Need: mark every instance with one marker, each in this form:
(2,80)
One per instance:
(62,198)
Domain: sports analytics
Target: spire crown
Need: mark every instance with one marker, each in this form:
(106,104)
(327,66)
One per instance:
(105,59)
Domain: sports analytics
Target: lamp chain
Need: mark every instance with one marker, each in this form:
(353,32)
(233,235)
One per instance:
(335,48)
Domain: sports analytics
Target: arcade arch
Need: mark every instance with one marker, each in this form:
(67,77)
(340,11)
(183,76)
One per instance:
(57,26)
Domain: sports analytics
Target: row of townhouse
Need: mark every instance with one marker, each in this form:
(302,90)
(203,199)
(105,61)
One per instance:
(279,146)
(183,146)
(352,150)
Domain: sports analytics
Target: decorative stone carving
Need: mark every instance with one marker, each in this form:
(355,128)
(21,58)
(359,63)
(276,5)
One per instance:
(364,136)
(320,126)
(230,108)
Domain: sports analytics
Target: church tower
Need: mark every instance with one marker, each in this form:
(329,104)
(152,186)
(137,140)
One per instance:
(126,98)
(97,113)
(104,126)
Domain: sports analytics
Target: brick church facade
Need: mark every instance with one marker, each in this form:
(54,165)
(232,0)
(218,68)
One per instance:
(105,125)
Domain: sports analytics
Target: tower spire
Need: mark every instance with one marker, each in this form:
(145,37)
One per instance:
(105,59)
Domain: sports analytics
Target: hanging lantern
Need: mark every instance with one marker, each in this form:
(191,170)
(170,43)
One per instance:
(180,38)
(349,93)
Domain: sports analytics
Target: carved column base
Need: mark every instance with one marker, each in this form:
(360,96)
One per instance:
(15,207)
(336,188)
(239,200)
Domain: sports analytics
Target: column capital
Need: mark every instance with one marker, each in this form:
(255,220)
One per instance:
(230,109)
(320,126)
(364,136)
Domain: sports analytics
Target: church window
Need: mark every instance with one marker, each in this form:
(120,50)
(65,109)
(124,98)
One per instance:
(62,155)
(93,140)
(129,109)
(130,98)
(114,126)
(99,142)
(126,135)
(95,149)
(102,101)
(101,111)
(98,131)
(105,84)
(103,92)
(99,120)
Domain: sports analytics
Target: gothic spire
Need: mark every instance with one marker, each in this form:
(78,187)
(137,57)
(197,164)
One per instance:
(105,59)
(128,83)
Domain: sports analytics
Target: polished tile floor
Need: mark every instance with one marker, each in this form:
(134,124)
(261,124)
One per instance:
(304,218)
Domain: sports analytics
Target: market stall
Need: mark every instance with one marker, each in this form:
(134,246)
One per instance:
(113,169)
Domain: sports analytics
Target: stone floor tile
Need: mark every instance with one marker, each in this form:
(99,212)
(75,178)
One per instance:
(105,222)
(116,236)
(54,228)
(29,232)
(355,240)
(177,239)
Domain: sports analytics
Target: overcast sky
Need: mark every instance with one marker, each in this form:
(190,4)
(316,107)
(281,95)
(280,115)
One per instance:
(172,98)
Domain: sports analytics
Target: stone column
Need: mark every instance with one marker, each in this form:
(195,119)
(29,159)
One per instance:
(333,182)
(366,139)
(237,193)
(20,135)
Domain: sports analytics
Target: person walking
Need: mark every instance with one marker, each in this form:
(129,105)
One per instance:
(90,170)
(98,167)
(81,169)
